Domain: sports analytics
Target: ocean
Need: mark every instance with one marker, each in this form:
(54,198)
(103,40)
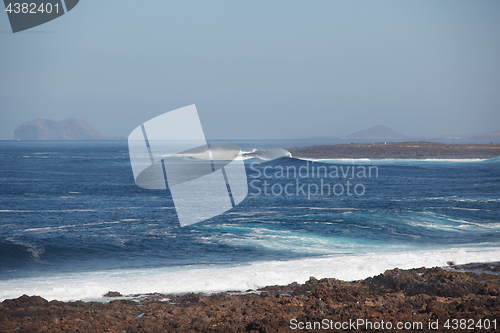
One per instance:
(74,225)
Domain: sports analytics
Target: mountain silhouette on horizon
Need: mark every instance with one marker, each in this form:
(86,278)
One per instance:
(67,129)
(381,132)
(378,132)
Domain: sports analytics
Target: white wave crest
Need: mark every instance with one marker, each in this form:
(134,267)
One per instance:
(217,278)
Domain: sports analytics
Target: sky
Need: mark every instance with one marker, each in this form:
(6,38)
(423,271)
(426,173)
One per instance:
(259,69)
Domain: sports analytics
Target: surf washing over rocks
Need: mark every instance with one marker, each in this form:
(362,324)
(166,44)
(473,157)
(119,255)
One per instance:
(74,225)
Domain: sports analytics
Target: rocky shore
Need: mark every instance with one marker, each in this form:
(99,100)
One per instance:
(406,150)
(432,296)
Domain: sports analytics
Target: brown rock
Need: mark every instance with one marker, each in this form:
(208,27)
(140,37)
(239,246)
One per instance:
(112,294)
(397,295)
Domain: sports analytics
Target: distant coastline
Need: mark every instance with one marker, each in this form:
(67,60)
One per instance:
(399,150)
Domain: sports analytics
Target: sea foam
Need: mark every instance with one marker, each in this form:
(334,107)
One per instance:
(216,278)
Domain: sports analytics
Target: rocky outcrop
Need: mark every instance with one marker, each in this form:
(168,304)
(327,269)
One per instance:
(67,129)
(414,296)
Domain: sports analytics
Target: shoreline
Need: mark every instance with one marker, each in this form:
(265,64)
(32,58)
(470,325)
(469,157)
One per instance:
(91,285)
(417,150)
(421,295)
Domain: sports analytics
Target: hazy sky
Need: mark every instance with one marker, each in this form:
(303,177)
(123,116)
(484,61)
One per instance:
(259,69)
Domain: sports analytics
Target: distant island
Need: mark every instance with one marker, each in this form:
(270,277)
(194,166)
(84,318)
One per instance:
(67,129)
(378,132)
(399,150)
(381,132)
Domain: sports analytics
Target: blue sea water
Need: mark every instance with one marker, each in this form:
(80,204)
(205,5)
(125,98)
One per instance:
(73,224)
